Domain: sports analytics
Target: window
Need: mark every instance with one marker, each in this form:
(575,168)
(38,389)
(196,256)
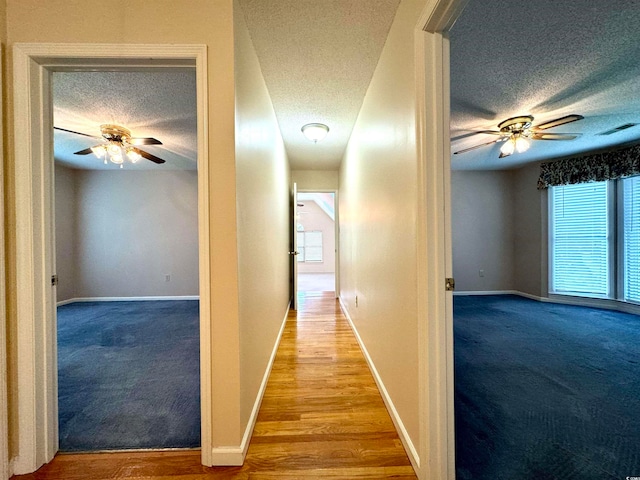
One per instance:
(309,246)
(584,221)
(580,239)
(631,238)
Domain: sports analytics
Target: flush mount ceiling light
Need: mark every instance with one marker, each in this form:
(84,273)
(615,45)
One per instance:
(118,145)
(315,131)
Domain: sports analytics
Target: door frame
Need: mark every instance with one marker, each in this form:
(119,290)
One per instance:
(34,64)
(434,258)
(336,230)
(4,418)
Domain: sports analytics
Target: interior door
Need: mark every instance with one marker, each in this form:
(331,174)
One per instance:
(293,252)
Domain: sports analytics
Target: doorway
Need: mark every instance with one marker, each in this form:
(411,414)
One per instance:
(34,65)
(126,243)
(316,241)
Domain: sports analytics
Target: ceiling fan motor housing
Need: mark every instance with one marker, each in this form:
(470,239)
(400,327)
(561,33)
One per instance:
(516,124)
(115,133)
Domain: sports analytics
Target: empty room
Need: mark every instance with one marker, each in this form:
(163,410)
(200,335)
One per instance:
(545,191)
(126,260)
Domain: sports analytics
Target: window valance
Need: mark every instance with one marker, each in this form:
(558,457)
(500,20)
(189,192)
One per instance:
(591,168)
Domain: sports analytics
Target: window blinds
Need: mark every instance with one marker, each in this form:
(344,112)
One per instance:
(580,239)
(631,219)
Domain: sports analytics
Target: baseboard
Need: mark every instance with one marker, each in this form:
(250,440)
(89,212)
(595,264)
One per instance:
(607,304)
(409,447)
(234,456)
(127,299)
(486,292)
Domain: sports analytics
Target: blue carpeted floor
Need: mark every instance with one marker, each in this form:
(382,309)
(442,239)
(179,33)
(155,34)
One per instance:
(545,391)
(128,375)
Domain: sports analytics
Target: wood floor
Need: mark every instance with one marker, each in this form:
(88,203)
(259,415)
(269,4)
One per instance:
(322,417)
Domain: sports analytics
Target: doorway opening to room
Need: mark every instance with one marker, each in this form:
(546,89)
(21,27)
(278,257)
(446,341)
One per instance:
(316,241)
(125,219)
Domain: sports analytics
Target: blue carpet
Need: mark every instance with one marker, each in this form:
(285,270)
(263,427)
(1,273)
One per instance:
(128,375)
(545,391)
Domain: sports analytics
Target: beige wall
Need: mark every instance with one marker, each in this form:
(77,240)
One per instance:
(65,179)
(315,180)
(263,219)
(378,204)
(530,232)
(119,233)
(482,230)
(208,22)
(499,225)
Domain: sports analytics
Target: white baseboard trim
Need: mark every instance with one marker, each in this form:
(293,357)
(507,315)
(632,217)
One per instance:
(486,292)
(409,447)
(607,304)
(234,456)
(127,299)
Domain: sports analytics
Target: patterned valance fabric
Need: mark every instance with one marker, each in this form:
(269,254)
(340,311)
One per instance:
(591,168)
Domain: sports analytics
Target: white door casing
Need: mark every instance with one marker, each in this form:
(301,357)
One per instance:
(36,344)
(435,304)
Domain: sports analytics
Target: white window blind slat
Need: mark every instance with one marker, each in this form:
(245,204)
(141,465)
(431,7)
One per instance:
(631,241)
(580,239)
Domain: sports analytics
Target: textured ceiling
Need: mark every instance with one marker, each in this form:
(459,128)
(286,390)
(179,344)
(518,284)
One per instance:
(548,59)
(159,104)
(317,59)
(545,58)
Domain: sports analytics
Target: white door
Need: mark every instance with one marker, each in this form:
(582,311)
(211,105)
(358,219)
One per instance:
(293,252)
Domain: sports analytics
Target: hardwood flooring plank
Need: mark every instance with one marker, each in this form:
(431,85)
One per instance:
(322,417)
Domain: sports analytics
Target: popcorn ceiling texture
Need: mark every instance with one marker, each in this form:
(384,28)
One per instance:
(317,59)
(547,59)
(150,104)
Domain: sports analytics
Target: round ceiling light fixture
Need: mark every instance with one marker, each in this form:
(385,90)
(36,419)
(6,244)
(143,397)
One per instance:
(315,131)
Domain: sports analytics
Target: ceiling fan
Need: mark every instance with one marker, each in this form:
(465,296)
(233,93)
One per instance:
(118,144)
(517,131)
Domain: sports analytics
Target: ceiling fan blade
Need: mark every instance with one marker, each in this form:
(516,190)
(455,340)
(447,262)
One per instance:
(77,133)
(558,121)
(477,146)
(474,132)
(144,141)
(148,156)
(554,136)
(86,151)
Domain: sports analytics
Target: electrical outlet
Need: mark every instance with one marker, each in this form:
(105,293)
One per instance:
(481,273)
(167,278)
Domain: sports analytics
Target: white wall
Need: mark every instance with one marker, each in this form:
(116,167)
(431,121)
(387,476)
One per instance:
(119,233)
(482,230)
(263,176)
(378,217)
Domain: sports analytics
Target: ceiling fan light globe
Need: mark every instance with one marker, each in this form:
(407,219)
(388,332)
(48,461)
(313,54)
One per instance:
(133,155)
(114,149)
(117,159)
(99,151)
(508,147)
(521,144)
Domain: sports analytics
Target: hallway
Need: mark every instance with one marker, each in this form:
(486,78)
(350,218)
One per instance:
(321,417)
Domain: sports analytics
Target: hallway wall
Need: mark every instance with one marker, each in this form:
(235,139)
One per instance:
(378,208)
(201,22)
(262,181)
